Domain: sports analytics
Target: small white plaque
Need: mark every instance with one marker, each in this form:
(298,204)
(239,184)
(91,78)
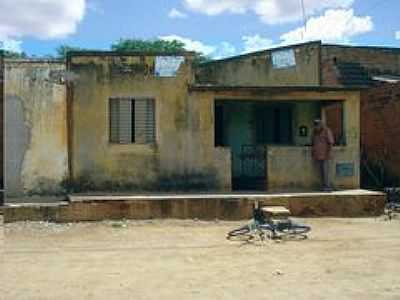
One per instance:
(283,59)
(168,66)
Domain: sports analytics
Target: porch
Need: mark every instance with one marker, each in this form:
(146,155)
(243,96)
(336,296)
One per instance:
(264,135)
(202,206)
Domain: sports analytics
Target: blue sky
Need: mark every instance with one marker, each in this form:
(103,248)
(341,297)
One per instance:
(217,27)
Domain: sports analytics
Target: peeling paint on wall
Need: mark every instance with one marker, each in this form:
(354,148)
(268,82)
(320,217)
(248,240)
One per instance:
(181,158)
(1,125)
(258,69)
(36,149)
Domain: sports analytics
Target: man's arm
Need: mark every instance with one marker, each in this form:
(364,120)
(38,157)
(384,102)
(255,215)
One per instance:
(331,140)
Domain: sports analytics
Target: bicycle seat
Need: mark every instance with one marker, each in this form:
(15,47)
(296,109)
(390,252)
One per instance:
(276,211)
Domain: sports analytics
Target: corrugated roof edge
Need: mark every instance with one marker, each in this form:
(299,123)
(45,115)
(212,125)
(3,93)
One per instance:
(259,52)
(127,53)
(395,49)
(200,88)
(34,60)
(387,48)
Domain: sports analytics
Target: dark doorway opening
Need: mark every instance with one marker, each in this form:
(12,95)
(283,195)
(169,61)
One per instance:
(247,127)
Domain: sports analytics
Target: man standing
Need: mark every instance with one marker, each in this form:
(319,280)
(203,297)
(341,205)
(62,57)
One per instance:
(322,143)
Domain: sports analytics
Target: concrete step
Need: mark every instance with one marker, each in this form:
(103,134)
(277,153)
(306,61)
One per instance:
(230,206)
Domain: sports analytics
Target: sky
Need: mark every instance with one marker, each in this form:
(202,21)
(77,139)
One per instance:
(218,28)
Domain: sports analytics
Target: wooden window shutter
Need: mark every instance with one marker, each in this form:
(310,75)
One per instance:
(121,120)
(125,121)
(144,121)
(114,120)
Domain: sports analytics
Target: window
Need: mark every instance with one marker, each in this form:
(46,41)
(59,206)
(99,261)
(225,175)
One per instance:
(273,125)
(132,121)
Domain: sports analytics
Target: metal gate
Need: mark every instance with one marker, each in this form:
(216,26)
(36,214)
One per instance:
(253,168)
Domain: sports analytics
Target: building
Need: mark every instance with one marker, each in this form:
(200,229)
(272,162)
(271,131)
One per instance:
(109,121)
(36,129)
(1,127)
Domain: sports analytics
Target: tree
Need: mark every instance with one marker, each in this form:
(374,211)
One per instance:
(140,45)
(152,46)
(13,55)
(62,50)
(155,46)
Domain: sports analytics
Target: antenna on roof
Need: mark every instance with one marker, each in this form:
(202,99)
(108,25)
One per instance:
(303,33)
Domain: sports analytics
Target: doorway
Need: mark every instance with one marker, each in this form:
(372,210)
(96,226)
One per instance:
(248,127)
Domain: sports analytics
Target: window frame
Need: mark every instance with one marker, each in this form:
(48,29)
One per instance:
(133,140)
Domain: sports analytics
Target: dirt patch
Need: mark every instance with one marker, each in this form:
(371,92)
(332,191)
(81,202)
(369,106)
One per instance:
(168,259)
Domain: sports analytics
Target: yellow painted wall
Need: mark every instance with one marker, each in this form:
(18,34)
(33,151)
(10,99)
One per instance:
(291,167)
(184,154)
(256,69)
(178,157)
(35,128)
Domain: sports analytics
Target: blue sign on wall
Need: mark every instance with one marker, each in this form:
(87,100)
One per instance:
(345,169)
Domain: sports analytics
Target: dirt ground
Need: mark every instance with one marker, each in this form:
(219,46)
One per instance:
(159,259)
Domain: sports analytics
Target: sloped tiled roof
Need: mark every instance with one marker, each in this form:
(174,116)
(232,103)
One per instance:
(353,73)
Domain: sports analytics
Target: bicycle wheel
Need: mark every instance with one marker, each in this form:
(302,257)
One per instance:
(267,230)
(295,229)
(240,234)
(393,206)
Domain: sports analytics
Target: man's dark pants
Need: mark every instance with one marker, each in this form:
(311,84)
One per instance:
(323,166)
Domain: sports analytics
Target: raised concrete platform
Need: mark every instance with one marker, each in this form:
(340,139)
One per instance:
(232,206)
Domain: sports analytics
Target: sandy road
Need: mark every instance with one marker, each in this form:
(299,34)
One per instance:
(342,259)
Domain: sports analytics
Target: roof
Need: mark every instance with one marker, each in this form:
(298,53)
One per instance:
(128,53)
(317,88)
(34,60)
(260,52)
(387,78)
(353,73)
(382,48)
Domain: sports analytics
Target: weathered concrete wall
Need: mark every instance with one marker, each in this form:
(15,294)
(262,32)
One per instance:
(36,133)
(373,60)
(303,115)
(356,203)
(303,171)
(292,166)
(178,160)
(1,123)
(256,69)
(380,130)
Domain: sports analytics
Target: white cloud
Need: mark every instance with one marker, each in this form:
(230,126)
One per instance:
(269,11)
(191,45)
(45,19)
(221,50)
(11,45)
(255,43)
(334,26)
(224,49)
(397,35)
(212,7)
(176,14)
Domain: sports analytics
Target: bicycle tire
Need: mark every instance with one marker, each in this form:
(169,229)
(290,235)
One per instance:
(295,229)
(268,231)
(393,206)
(240,234)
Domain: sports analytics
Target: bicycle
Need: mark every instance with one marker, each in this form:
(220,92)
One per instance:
(265,226)
(392,205)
